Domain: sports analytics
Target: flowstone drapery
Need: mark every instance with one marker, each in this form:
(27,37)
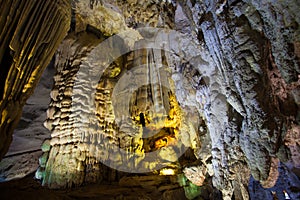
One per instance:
(28,39)
(117,109)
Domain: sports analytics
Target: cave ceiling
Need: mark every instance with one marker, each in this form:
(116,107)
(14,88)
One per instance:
(207,91)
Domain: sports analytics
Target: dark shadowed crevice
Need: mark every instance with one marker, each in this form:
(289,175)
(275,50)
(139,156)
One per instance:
(7,61)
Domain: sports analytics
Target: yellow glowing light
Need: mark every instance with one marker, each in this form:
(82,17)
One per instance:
(165,141)
(167,172)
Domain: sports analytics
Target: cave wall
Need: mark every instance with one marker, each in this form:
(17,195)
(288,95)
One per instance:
(237,75)
(238,91)
(256,61)
(30,33)
(254,46)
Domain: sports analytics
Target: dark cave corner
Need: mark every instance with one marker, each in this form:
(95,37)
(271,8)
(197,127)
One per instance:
(167,99)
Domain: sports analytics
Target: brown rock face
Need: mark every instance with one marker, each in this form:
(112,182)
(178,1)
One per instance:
(30,34)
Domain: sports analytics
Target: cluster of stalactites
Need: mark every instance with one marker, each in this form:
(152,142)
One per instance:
(85,133)
(30,33)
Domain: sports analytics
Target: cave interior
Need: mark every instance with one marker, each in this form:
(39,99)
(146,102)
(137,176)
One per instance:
(149,99)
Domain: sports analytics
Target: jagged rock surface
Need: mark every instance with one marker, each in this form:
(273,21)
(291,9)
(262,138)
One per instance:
(246,128)
(247,121)
(235,75)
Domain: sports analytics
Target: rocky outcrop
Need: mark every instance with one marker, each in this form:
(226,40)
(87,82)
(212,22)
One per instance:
(30,33)
(246,117)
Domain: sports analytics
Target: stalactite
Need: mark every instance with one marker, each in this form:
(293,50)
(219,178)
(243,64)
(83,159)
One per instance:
(224,97)
(31,32)
(100,125)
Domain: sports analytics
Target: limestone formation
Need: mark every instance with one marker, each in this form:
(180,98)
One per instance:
(225,90)
(206,90)
(138,133)
(30,33)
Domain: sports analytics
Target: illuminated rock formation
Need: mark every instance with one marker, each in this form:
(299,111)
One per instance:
(224,92)
(113,113)
(206,90)
(30,34)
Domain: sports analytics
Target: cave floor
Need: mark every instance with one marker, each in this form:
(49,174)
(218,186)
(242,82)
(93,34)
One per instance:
(129,188)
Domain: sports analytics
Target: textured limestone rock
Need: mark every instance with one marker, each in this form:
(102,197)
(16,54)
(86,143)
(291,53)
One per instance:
(147,13)
(232,95)
(195,174)
(95,131)
(30,34)
(292,141)
(107,126)
(223,68)
(19,165)
(246,110)
(61,118)
(281,27)
(107,20)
